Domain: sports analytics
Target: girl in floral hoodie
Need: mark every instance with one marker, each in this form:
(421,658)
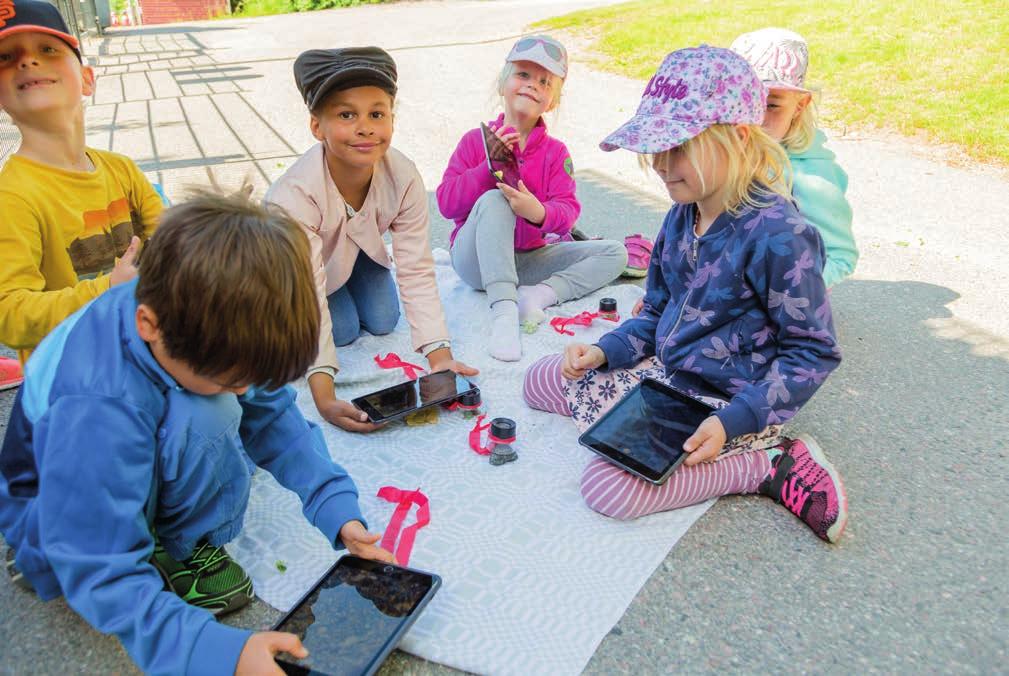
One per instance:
(503,233)
(735,308)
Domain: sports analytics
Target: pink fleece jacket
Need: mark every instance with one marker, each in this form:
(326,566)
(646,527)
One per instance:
(546,170)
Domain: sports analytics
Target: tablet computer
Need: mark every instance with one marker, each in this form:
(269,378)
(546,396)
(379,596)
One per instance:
(644,432)
(355,616)
(500,159)
(440,387)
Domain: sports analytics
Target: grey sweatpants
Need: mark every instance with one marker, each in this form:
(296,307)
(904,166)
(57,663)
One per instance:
(484,256)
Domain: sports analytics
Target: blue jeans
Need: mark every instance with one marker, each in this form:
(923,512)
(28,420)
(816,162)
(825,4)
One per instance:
(367,301)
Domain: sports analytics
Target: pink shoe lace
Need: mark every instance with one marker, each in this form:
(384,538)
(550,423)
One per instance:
(804,481)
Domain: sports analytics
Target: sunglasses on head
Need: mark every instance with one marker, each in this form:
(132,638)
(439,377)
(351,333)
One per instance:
(553,51)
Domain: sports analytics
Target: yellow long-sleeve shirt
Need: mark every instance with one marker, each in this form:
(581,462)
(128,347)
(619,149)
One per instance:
(60,234)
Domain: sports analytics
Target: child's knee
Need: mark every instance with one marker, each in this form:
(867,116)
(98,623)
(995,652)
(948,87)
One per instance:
(382,322)
(494,211)
(607,490)
(542,387)
(345,331)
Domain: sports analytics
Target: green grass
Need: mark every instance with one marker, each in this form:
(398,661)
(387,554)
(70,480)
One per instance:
(932,69)
(268,7)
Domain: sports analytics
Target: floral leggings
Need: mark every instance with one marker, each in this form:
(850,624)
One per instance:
(616,493)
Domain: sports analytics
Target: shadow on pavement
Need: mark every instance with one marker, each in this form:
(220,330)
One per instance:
(915,421)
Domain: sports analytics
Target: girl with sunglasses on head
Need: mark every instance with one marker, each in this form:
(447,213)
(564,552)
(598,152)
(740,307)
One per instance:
(507,239)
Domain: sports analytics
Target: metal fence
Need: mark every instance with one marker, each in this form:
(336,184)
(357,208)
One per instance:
(9,137)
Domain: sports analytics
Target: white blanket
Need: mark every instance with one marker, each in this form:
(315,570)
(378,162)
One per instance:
(532,579)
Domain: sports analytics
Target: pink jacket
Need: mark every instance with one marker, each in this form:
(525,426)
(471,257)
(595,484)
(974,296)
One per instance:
(545,167)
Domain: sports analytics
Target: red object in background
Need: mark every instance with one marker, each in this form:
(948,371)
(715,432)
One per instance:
(171,11)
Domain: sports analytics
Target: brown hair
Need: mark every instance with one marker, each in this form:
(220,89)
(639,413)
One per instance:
(233,291)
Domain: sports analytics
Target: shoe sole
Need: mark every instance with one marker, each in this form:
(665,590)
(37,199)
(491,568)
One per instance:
(237,601)
(11,386)
(834,532)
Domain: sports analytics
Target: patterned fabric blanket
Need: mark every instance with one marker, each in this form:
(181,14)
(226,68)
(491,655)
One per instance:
(532,579)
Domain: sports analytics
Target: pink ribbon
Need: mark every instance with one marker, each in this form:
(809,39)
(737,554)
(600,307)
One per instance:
(560,324)
(405,500)
(392,361)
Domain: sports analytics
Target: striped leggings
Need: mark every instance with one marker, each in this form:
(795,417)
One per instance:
(616,493)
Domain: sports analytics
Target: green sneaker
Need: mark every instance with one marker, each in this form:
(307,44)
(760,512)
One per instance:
(208,579)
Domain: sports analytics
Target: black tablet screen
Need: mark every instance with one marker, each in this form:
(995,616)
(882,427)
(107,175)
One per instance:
(406,397)
(351,617)
(648,427)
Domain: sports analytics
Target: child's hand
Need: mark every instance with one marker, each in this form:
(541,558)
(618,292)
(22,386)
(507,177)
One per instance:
(346,416)
(579,357)
(442,360)
(360,542)
(636,310)
(523,202)
(125,269)
(257,655)
(706,441)
(508,136)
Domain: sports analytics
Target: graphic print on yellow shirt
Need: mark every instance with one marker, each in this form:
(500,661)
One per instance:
(60,233)
(105,237)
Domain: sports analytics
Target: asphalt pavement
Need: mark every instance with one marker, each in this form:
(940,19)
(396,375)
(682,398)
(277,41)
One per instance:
(915,419)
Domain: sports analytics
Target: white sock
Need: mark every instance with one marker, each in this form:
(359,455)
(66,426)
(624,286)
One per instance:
(533,300)
(505,340)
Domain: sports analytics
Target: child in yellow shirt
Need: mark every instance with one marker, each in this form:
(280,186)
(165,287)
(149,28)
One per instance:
(74,217)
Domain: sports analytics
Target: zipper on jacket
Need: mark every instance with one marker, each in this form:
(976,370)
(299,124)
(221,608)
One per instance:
(693,252)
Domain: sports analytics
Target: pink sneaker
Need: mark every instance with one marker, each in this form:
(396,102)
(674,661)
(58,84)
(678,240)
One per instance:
(639,255)
(802,479)
(11,374)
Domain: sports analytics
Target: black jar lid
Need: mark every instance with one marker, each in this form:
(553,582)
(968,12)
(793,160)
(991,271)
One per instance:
(502,428)
(470,398)
(607,305)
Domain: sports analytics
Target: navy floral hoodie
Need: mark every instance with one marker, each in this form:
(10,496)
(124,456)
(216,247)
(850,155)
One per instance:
(741,313)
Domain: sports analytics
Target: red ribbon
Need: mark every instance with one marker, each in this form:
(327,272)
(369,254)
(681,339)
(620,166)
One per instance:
(560,324)
(405,500)
(392,361)
(474,438)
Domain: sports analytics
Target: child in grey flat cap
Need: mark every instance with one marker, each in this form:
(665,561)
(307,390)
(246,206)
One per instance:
(347,191)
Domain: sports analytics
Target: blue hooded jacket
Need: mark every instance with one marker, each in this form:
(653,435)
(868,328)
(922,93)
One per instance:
(741,313)
(102,441)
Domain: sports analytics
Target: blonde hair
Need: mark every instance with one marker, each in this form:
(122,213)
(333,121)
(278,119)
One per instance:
(556,84)
(756,171)
(802,131)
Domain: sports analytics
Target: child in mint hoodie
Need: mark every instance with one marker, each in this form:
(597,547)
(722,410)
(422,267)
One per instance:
(781,57)
(508,240)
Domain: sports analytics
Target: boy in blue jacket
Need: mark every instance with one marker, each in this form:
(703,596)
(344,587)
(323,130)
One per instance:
(124,467)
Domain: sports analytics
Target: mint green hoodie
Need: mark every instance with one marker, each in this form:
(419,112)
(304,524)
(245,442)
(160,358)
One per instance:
(818,185)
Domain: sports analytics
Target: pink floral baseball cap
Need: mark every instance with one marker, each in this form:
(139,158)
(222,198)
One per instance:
(543,50)
(692,90)
(779,56)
